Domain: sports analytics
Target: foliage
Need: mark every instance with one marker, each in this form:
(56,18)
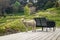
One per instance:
(26,10)
(49,4)
(45,4)
(13,24)
(58,2)
(16,6)
(51,14)
(30,4)
(9,10)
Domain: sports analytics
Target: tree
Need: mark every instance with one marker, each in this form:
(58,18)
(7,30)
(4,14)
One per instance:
(16,6)
(49,4)
(44,4)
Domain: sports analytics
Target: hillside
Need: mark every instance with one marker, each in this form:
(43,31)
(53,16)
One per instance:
(52,14)
(13,23)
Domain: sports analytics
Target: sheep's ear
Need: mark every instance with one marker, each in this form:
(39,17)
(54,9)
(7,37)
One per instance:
(22,19)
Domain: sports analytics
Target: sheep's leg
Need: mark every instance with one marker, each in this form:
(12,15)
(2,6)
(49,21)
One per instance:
(34,28)
(26,28)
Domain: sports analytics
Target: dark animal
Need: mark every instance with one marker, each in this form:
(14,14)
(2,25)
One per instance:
(43,22)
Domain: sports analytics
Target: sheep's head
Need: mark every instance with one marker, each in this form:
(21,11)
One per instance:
(22,19)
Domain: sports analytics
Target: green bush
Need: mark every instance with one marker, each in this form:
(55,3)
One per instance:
(26,10)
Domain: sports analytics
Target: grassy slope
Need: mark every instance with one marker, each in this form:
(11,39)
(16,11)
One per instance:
(51,14)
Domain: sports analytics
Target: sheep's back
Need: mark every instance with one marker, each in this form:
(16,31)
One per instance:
(30,22)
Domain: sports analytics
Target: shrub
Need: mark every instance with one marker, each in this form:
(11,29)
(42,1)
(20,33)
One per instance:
(26,10)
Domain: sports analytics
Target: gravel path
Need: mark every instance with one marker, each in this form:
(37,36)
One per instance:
(39,35)
(58,38)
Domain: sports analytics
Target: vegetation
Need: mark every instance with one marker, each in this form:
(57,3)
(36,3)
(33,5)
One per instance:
(26,10)
(12,23)
(16,6)
(52,14)
(45,4)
